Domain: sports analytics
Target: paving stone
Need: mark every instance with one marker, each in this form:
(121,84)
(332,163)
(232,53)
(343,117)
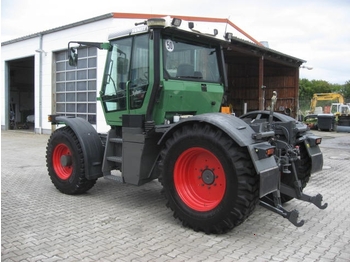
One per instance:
(116,222)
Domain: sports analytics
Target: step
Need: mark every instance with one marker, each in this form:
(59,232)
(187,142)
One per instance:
(116,159)
(114,178)
(116,140)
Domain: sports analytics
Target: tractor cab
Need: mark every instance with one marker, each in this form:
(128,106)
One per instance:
(159,72)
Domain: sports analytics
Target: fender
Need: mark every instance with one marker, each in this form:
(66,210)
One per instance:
(90,144)
(236,128)
(314,152)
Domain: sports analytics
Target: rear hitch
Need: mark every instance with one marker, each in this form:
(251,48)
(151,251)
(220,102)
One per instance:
(292,216)
(297,192)
(316,200)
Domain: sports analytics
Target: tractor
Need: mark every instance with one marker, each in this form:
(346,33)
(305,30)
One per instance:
(162,93)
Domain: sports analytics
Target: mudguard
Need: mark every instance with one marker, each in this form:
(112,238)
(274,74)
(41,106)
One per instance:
(315,153)
(236,128)
(90,144)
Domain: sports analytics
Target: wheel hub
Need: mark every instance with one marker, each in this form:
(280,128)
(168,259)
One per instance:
(199,179)
(208,177)
(66,160)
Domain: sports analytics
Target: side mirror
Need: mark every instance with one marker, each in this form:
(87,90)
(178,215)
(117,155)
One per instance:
(73,56)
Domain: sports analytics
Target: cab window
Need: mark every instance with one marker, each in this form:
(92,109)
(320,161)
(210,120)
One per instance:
(189,61)
(126,74)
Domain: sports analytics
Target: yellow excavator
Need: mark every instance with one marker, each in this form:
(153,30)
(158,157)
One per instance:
(335,106)
(334,98)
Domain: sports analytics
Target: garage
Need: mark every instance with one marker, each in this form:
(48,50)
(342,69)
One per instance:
(21,93)
(254,72)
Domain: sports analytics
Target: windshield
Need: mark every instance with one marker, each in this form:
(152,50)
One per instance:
(188,61)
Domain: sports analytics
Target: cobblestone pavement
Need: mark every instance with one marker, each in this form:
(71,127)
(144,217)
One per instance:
(116,222)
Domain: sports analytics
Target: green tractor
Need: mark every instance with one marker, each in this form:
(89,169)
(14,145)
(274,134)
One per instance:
(162,91)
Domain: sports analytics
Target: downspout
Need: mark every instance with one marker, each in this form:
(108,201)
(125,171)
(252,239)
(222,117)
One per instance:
(40,81)
(7,96)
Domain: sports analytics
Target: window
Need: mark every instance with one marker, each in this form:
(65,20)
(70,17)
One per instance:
(116,75)
(187,61)
(139,72)
(76,87)
(126,74)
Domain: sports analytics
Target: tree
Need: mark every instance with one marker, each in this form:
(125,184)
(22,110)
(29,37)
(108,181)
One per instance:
(305,89)
(345,91)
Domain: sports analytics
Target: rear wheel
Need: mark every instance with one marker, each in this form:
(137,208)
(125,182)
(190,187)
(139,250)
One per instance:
(65,162)
(209,181)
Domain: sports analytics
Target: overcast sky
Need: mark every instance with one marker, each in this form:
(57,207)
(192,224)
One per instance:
(317,31)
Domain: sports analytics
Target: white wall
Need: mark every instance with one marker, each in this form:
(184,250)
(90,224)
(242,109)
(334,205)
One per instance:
(57,41)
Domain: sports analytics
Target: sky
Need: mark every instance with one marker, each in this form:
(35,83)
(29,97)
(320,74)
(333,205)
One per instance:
(317,31)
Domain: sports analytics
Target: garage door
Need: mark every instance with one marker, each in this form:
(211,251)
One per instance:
(75,90)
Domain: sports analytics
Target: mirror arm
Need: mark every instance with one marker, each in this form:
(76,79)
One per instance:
(105,46)
(73,52)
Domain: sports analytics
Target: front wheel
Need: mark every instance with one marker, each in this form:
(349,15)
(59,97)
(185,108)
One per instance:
(65,162)
(208,180)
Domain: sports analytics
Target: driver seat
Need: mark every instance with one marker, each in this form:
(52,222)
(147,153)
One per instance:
(185,70)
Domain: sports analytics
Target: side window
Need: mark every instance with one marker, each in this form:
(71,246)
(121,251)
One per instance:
(126,74)
(116,75)
(139,72)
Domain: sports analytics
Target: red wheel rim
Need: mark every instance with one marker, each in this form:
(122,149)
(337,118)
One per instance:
(62,171)
(199,179)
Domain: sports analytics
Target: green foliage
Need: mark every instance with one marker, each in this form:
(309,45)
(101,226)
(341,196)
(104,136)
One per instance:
(345,91)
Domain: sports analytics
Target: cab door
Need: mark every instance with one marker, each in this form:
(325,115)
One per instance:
(125,81)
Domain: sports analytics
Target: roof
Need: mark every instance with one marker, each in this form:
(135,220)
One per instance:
(83,22)
(266,52)
(254,45)
(129,16)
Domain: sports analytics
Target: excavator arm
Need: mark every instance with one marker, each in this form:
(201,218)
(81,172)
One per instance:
(324,97)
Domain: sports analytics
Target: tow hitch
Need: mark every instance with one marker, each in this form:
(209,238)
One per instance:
(286,163)
(292,216)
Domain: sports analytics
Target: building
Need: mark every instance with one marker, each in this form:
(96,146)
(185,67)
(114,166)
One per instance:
(36,79)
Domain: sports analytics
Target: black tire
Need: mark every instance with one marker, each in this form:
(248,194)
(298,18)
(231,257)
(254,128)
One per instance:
(303,167)
(209,181)
(65,162)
